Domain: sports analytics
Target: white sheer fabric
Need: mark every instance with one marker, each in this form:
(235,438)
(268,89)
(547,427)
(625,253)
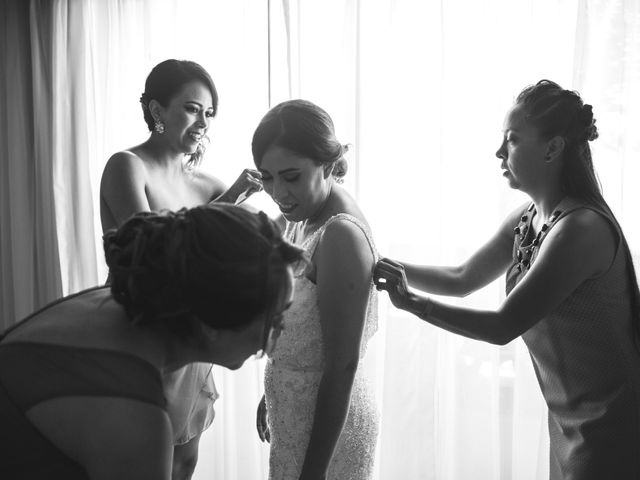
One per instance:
(418,88)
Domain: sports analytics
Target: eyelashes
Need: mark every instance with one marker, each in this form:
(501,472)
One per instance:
(286,179)
(196,111)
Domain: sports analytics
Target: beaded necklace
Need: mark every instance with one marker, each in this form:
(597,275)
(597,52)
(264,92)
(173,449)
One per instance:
(525,252)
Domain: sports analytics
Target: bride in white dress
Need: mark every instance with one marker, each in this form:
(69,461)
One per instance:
(318,411)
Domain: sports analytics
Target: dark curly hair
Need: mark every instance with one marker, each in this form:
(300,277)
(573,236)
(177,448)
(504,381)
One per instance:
(304,128)
(219,262)
(555,111)
(165,81)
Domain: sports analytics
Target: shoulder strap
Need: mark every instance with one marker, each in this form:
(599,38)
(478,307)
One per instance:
(311,243)
(47,306)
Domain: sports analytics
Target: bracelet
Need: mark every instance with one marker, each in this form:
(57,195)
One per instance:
(426,311)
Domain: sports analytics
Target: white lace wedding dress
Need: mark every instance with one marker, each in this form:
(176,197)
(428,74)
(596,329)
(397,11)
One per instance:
(292,376)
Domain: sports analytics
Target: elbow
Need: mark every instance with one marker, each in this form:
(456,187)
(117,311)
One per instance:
(464,292)
(501,337)
(502,331)
(345,369)
(351,367)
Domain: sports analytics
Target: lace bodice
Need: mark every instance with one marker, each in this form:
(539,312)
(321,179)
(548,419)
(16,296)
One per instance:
(300,344)
(293,375)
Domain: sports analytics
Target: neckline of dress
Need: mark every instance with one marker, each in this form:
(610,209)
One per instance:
(526,252)
(322,227)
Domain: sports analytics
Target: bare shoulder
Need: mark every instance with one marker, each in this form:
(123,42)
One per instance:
(586,237)
(209,185)
(126,158)
(588,227)
(343,237)
(124,164)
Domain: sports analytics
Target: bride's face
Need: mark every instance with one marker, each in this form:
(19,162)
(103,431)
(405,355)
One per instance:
(298,184)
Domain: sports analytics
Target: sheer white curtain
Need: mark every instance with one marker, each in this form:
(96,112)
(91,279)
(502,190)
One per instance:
(420,90)
(229,39)
(72,74)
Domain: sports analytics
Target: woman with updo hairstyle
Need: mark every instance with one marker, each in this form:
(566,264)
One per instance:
(572,290)
(318,412)
(178,103)
(81,380)
(304,128)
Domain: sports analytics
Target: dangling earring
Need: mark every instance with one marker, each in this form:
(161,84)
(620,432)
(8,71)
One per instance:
(159,127)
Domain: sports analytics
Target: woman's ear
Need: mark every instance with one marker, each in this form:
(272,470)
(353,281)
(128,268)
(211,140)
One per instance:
(156,110)
(555,148)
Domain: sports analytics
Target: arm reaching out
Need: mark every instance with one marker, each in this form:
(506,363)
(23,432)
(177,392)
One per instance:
(488,263)
(581,246)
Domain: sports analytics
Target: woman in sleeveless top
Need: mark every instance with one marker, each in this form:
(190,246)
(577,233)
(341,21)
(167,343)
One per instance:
(178,103)
(572,291)
(81,393)
(318,411)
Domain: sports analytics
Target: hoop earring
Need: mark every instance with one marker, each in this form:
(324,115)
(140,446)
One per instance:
(159,127)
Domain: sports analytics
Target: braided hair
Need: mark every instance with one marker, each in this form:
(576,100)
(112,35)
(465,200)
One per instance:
(215,262)
(555,111)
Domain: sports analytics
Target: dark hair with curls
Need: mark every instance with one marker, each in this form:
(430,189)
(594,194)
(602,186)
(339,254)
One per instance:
(165,81)
(304,128)
(556,111)
(218,262)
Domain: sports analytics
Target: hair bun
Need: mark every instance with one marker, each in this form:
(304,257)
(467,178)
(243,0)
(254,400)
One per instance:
(590,129)
(340,168)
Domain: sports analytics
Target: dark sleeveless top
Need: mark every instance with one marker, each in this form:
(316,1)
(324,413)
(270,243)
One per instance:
(587,364)
(31,373)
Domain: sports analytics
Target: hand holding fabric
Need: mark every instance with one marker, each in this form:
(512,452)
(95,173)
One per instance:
(389,275)
(247,183)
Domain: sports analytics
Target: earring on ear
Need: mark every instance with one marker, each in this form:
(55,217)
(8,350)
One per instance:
(328,170)
(547,158)
(159,127)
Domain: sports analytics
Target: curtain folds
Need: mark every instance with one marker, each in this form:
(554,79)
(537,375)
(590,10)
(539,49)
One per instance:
(419,90)
(29,256)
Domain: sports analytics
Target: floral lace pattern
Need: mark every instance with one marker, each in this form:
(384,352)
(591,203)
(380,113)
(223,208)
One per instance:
(292,377)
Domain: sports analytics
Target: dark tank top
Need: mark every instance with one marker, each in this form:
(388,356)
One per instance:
(586,361)
(31,373)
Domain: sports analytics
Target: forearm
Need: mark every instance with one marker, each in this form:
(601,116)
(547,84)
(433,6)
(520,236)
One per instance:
(228,196)
(437,280)
(332,407)
(484,325)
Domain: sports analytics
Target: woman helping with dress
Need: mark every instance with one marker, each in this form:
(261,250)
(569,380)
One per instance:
(318,411)
(179,101)
(81,390)
(572,291)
